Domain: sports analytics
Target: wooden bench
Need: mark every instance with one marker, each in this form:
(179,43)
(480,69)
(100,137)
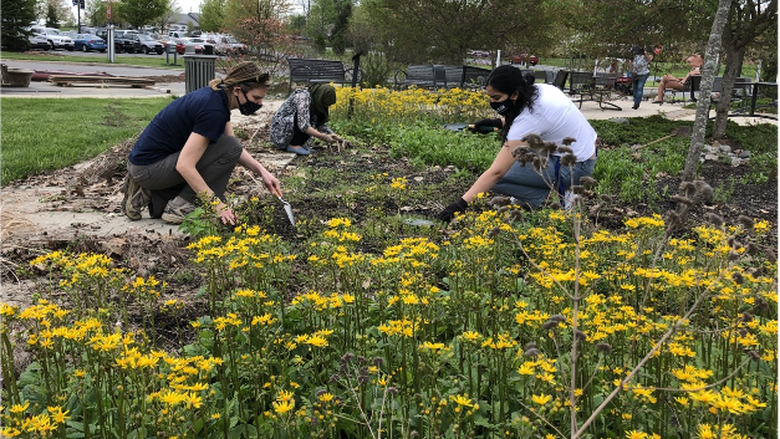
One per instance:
(312,71)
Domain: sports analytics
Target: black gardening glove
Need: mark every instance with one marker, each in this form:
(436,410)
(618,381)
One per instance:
(485,126)
(448,213)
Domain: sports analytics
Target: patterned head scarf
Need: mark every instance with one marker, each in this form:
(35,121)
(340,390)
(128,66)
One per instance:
(246,74)
(322,97)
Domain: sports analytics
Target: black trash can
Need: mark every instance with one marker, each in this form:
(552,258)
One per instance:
(199,70)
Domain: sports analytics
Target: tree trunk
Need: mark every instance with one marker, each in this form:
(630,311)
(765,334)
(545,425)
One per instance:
(705,94)
(733,69)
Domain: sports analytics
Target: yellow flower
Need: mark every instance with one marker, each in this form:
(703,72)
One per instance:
(285,406)
(462,400)
(541,399)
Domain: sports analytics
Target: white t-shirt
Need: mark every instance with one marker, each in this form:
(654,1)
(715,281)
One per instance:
(554,118)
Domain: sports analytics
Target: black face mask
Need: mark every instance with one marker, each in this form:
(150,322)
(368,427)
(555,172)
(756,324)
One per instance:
(503,107)
(248,108)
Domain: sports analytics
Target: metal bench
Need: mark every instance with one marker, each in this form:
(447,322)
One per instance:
(423,76)
(310,71)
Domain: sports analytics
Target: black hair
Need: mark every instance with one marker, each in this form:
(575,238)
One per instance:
(508,80)
(638,50)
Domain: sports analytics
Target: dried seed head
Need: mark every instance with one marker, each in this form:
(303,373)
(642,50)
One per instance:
(500,201)
(495,230)
(704,191)
(745,222)
(362,360)
(558,318)
(747,317)
(738,278)
(533,352)
(578,189)
(378,361)
(683,200)
(347,358)
(771,256)
(549,324)
(568,160)
(673,220)
(320,392)
(604,347)
(569,140)
(533,140)
(713,219)
(529,345)
(580,335)
(562,150)
(754,355)
(515,215)
(733,256)
(392,390)
(752,249)
(688,189)
(588,181)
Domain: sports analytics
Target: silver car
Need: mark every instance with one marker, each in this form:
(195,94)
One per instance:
(56,39)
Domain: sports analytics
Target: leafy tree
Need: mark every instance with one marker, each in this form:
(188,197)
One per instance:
(609,28)
(444,30)
(54,12)
(212,15)
(138,13)
(17,16)
(748,20)
(258,23)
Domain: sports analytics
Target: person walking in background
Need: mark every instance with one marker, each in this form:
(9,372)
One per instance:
(188,152)
(640,70)
(531,110)
(303,116)
(695,62)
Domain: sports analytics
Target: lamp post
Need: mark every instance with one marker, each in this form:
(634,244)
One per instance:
(79,4)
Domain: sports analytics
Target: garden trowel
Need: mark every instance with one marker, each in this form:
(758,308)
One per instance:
(287,208)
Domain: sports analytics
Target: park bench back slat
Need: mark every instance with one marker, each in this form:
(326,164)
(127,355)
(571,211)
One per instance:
(440,76)
(309,70)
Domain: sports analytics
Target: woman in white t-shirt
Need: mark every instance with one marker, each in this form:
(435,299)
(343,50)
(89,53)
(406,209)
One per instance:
(531,112)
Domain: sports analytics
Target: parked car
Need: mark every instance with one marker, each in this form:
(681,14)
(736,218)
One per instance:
(55,38)
(229,46)
(123,40)
(39,42)
(524,58)
(146,44)
(194,45)
(88,42)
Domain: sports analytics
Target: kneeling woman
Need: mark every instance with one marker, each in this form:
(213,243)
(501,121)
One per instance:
(528,109)
(302,116)
(189,150)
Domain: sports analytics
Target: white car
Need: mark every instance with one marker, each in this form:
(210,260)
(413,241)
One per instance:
(39,42)
(56,39)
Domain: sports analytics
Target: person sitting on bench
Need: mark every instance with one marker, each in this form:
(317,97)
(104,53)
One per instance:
(695,62)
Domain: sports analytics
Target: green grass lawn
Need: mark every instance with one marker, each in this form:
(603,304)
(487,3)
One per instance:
(156,61)
(42,135)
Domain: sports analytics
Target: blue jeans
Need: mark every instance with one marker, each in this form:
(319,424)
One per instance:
(532,187)
(638,86)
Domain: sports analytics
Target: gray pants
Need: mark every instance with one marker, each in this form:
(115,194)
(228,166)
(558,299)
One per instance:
(532,187)
(166,183)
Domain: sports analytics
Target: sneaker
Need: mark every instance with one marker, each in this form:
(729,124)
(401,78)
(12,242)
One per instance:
(136,199)
(176,210)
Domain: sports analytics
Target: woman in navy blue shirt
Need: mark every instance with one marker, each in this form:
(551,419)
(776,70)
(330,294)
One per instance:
(189,149)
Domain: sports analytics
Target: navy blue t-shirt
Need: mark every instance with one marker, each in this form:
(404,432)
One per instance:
(203,111)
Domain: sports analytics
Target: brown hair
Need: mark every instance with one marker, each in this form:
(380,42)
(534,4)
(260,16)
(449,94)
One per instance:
(246,75)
